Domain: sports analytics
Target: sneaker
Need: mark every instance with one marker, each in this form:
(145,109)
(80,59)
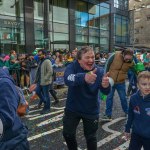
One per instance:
(39,105)
(106,118)
(45,111)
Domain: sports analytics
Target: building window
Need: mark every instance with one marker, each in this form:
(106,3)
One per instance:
(148,18)
(121,28)
(60,3)
(137,31)
(136,41)
(40,9)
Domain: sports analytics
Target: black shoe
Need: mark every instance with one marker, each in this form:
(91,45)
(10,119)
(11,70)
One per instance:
(45,111)
(106,118)
(39,105)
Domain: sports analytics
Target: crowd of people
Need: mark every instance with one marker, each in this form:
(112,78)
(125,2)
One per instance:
(85,78)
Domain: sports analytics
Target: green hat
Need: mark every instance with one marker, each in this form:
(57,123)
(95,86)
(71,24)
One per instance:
(139,67)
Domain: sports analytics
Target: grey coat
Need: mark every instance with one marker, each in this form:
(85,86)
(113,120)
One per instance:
(46,72)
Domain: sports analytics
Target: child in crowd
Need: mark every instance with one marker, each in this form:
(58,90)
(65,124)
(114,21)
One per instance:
(139,115)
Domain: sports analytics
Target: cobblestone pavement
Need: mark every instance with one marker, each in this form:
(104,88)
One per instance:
(45,131)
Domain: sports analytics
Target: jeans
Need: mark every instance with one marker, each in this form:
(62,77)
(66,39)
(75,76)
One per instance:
(70,123)
(137,142)
(43,92)
(132,82)
(120,87)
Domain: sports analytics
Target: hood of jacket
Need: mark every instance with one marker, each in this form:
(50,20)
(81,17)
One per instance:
(4,73)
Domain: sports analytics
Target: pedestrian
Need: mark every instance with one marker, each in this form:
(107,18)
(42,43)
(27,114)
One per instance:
(13,133)
(43,81)
(139,115)
(118,65)
(84,79)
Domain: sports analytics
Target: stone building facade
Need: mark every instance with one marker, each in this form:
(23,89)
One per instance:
(139,29)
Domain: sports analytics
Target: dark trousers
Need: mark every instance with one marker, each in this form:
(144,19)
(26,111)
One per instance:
(43,92)
(70,123)
(137,142)
(53,92)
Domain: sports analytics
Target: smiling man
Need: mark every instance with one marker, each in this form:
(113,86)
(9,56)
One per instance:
(84,79)
(118,65)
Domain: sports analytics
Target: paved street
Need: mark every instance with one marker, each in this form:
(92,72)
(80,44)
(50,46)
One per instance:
(45,131)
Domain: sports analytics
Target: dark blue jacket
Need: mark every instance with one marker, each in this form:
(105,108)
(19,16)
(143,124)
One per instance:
(139,115)
(82,97)
(14,131)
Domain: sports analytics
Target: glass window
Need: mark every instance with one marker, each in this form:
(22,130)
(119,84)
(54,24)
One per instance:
(121,29)
(12,8)
(60,3)
(38,23)
(11,26)
(124,27)
(60,14)
(104,33)
(104,11)
(118,26)
(93,32)
(121,4)
(81,30)
(81,38)
(94,40)
(61,46)
(104,22)
(81,14)
(105,5)
(38,9)
(60,27)
(94,15)
(81,19)
(60,37)
(104,43)
(60,11)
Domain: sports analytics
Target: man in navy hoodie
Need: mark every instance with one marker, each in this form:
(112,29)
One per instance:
(84,79)
(13,134)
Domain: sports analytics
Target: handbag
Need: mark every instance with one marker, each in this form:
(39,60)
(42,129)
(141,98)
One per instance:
(23,106)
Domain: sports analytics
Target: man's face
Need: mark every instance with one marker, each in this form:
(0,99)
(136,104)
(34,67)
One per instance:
(74,53)
(87,60)
(144,86)
(128,58)
(41,55)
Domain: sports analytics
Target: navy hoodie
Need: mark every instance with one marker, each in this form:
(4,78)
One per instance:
(13,130)
(82,97)
(139,115)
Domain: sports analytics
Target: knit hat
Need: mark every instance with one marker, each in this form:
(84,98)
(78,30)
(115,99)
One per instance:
(6,58)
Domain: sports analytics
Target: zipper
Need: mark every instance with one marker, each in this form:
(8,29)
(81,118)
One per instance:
(119,71)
